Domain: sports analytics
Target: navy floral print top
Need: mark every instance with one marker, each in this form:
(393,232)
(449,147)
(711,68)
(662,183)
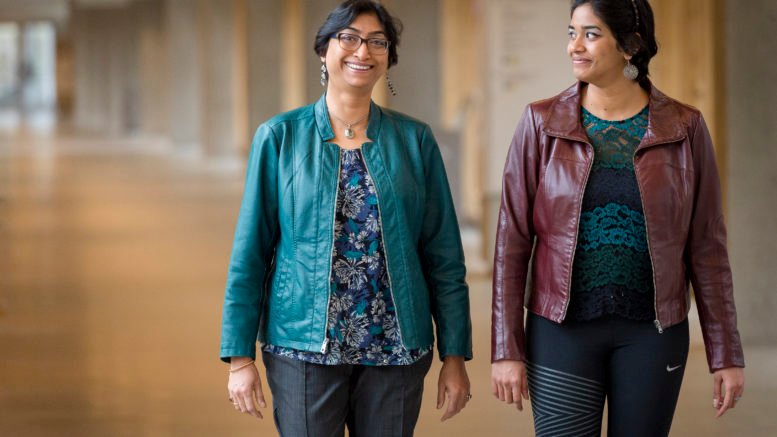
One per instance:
(612,273)
(362,327)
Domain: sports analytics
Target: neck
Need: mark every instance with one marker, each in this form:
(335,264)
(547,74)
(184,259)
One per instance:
(620,99)
(348,106)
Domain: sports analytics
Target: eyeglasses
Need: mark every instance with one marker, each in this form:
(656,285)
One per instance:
(376,46)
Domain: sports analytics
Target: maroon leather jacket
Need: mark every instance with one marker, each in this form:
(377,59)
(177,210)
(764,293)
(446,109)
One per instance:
(544,178)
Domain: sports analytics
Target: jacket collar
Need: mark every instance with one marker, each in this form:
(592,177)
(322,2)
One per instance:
(663,126)
(325,126)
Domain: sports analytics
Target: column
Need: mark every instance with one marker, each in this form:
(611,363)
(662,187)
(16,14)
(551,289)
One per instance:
(690,65)
(220,45)
(752,214)
(314,12)
(267,37)
(417,76)
(105,69)
(153,67)
(185,76)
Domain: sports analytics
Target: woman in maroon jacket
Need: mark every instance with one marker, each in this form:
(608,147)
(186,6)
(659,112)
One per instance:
(614,189)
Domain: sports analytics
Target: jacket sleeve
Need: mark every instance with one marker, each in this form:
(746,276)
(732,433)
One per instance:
(707,258)
(443,257)
(514,241)
(252,250)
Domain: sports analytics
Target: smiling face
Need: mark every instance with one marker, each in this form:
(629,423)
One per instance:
(596,57)
(358,69)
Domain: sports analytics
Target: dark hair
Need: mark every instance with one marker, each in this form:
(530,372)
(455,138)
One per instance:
(631,22)
(343,15)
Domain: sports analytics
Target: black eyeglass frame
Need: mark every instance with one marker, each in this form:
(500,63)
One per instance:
(381,49)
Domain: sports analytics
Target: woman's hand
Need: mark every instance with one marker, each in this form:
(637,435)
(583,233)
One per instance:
(508,382)
(454,383)
(727,387)
(245,387)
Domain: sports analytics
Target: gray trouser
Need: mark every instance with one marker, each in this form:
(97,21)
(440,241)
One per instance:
(312,400)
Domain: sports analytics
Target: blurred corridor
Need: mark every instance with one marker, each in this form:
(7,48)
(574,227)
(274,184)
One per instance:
(124,126)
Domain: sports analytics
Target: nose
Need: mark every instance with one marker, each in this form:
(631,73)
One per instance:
(363,52)
(575,44)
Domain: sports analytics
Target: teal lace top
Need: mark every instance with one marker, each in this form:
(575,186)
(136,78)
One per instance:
(612,273)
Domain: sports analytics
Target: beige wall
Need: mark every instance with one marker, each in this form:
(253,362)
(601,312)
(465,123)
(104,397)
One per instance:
(751,67)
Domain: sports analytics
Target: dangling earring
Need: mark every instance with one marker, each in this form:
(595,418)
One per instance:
(630,71)
(390,85)
(324,75)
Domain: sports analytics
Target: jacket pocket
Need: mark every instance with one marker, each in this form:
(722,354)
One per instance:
(279,293)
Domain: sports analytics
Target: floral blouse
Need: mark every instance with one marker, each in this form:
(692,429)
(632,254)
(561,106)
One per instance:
(362,325)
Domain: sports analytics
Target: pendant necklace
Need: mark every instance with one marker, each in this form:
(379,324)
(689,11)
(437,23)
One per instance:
(349,133)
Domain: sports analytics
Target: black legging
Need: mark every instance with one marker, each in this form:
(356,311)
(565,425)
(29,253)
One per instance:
(574,366)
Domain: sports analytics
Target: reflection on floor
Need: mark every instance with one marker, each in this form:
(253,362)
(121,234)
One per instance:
(112,263)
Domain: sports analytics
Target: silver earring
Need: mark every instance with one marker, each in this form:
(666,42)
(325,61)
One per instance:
(390,85)
(324,76)
(630,71)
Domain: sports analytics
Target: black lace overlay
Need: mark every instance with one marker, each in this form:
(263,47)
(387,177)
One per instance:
(612,273)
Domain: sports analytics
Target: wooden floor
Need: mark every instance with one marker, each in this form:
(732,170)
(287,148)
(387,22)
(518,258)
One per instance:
(113,256)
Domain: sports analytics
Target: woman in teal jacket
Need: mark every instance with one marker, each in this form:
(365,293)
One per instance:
(346,249)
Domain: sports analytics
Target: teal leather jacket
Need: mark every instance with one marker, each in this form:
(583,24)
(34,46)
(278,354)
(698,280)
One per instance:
(279,273)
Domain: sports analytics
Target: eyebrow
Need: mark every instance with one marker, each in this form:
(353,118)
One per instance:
(589,27)
(378,32)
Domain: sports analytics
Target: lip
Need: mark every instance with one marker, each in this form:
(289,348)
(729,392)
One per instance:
(580,60)
(359,67)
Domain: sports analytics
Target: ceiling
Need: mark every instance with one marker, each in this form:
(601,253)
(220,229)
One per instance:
(34,10)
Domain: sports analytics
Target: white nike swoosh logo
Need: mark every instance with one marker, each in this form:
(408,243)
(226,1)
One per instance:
(672,369)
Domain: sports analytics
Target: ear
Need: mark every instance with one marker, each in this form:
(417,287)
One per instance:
(323,59)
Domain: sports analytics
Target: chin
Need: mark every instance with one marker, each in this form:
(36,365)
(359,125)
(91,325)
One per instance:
(580,77)
(587,77)
(579,72)
(361,85)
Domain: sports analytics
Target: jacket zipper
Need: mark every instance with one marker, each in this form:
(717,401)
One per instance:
(332,247)
(577,231)
(656,322)
(385,248)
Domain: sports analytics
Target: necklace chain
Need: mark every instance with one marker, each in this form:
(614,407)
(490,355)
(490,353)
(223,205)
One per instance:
(349,133)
